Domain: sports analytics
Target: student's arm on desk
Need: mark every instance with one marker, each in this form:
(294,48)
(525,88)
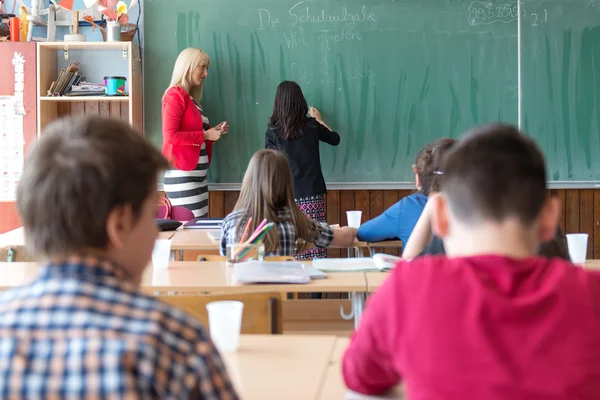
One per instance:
(368,365)
(383,227)
(343,237)
(421,234)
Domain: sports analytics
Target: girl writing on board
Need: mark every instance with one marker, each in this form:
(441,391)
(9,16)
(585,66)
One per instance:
(292,131)
(268,193)
(398,221)
(187,136)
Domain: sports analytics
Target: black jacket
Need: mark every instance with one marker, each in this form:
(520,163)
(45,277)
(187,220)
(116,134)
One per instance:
(303,155)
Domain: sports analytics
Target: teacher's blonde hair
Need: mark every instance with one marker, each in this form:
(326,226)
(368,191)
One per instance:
(185,65)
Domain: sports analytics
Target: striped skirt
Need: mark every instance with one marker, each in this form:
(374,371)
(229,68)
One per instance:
(313,207)
(189,188)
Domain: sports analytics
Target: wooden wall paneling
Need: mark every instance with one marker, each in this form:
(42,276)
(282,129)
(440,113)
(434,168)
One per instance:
(114,109)
(404,193)
(362,202)
(596,242)
(561,195)
(333,207)
(586,217)
(104,109)
(91,108)
(346,204)
(62,108)
(124,105)
(375,207)
(390,197)
(216,204)
(572,211)
(231,198)
(77,108)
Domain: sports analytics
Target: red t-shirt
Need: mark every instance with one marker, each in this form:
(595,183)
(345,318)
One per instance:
(485,327)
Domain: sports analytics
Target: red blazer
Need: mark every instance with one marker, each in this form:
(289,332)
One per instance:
(182,130)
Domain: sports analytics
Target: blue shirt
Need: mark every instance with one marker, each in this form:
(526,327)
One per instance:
(398,221)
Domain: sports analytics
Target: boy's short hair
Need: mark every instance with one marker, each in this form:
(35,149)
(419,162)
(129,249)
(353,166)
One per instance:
(495,172)
(75,174)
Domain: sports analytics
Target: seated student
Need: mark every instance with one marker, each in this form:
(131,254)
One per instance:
(268,192)
(422,242)
(398,221)
(83,328)
(492,321)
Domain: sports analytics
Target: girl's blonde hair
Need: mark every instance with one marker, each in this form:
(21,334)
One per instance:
(266,189)
(185,65)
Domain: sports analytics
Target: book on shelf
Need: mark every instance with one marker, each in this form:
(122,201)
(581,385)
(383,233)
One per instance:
(67,77)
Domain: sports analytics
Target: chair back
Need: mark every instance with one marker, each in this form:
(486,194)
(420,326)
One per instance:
(262,310)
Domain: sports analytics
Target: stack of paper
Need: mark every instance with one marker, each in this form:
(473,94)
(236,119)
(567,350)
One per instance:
(345,264)
(270,272)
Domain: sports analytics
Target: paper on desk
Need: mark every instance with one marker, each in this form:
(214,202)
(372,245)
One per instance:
(345,264)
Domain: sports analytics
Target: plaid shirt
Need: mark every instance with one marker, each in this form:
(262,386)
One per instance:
(285,231)
(82,330)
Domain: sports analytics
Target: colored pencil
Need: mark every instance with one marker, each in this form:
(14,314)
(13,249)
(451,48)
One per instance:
(247,251)
(257,231)
(252,237)
(246,230)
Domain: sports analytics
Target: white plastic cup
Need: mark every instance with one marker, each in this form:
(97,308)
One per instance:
(225,323)
(354,218)
(161,254)
(577,243)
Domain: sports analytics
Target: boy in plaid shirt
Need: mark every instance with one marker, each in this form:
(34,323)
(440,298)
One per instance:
(83,328)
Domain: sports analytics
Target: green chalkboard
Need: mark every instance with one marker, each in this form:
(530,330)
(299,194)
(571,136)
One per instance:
(388,75)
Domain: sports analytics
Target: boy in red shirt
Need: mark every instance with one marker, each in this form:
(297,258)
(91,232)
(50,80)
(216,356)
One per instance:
(491,320)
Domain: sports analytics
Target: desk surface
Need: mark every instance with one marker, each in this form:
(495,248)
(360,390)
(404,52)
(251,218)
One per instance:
(198,239)
(280,366)
(185,276)
(16,237)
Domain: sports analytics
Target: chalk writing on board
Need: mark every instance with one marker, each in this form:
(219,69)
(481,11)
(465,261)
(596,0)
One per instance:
(265,19)
(489,12)
(293,40)
(328,36)
(303,14)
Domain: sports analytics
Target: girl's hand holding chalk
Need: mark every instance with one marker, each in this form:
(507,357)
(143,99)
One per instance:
(315,113)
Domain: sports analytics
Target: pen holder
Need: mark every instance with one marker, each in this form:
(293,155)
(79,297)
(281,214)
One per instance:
(240,252)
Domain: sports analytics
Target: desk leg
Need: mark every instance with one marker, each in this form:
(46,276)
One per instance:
(180,255)
(358,306)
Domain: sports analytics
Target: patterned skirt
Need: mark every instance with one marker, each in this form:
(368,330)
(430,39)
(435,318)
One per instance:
(313,207)
(189,188)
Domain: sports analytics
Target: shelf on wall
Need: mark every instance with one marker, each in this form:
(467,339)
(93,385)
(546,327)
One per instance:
(84,98)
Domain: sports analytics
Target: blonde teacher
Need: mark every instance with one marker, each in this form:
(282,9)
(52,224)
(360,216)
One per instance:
(187,136)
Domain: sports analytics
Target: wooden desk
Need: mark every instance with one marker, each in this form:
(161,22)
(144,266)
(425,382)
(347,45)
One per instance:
(333,382)
(376,279)
(186,276)
(16,237)
(194,277)
(280,366)
(198,240)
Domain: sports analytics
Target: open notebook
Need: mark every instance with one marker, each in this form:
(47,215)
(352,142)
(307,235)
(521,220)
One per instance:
(379,262)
